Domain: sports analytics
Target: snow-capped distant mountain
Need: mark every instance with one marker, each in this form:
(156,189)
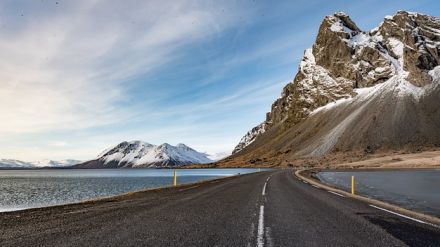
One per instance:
(142,154)
(218,156)
(54,163)
(11,163)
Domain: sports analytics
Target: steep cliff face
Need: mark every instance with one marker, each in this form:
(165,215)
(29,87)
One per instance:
(393,68)
(413,39)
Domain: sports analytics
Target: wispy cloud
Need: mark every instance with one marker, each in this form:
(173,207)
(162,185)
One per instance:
(65,66)
(79,76)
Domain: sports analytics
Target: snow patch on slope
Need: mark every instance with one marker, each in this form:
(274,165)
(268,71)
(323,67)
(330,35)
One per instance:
(435,74)
(399,87)
(362,94)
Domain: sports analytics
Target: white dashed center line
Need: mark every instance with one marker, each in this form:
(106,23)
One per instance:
(260,234)
(264,189)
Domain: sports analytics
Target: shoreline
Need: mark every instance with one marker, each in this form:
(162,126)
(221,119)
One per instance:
(429,159)
(187,167)
(125,195)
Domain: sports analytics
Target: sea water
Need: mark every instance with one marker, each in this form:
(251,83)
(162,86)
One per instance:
(413,189)
(22,189)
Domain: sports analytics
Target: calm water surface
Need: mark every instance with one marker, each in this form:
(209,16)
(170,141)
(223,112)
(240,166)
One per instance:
(413,189)
(21,189)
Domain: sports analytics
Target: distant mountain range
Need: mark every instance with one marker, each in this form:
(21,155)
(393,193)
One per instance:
(11,163)
(129,154)
(218,156)
(143,154)
(355,93)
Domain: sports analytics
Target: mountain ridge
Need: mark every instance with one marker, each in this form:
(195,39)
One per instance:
(142,154)
(12,163)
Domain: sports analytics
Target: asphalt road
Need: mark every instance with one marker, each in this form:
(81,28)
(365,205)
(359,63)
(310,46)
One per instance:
(261,209)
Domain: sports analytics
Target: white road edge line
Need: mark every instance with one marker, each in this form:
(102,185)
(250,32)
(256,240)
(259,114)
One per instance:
(189,188)
(260,234)
(264,189)
(335,193)
(403,216)
(304,182)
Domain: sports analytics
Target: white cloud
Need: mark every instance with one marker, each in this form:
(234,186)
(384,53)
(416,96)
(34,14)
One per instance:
(66,69)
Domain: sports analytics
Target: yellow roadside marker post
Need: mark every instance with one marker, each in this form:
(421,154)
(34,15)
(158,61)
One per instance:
(352,185)
(175,179)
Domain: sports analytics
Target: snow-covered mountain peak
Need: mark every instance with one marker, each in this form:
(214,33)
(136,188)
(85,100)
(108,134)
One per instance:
(181,145)
(340,23)
(143,154)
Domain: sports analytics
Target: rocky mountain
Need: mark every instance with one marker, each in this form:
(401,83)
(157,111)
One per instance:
(11,163)
(250,137)
(142,154)
(356,91)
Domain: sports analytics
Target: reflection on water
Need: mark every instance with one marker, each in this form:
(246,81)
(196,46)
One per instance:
(20,189)
(413,189)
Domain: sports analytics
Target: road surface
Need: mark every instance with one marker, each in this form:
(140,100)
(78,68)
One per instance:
(261,209)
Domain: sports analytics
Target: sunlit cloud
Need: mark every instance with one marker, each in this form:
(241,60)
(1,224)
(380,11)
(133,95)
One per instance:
(67,70)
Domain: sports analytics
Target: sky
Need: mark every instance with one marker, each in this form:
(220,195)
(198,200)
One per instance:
(77,77)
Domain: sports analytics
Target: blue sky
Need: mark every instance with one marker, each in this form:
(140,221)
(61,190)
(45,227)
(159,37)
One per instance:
(80,76)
